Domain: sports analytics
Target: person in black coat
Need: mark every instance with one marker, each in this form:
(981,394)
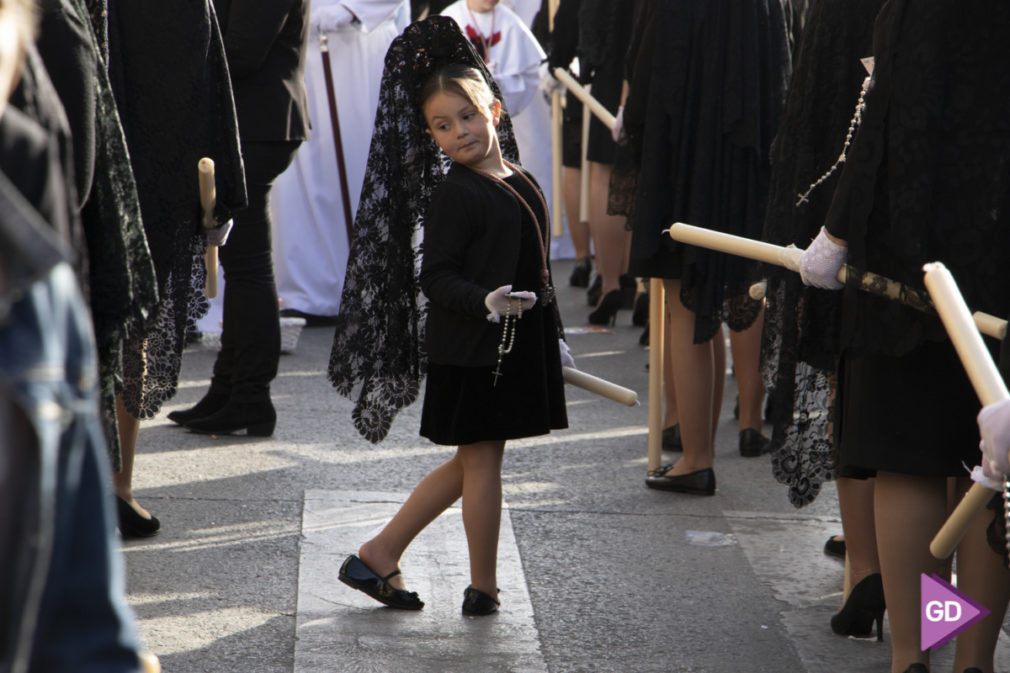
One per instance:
(265,42)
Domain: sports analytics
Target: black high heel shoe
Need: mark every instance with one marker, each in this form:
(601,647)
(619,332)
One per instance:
(211,403)
(640,315)
(132,524)
(864,607)
(256,418)
(606,312)
(580,274)
(595,291)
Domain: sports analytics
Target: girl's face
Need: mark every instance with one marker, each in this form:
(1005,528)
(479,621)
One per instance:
(464,133)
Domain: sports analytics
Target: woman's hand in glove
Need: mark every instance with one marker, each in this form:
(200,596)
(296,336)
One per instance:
(566,354)
(994,426)
(504,301)
(820,262)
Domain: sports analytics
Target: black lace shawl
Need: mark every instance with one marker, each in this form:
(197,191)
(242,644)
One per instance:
(802,324)
(378,354)
(928,176)
(170,77)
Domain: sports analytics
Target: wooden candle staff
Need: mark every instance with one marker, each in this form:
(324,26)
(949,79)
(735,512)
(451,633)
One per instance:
(986,380)
(602,387)
(580,92)
(208,198)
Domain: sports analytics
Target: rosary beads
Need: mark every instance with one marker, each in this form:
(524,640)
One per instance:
(508,337)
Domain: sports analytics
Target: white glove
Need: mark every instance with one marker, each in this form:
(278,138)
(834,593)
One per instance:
(218,236)
(820,262)
(566,354)
(994,426)
(504,301)
(548,82)
(615,132)
(330,18)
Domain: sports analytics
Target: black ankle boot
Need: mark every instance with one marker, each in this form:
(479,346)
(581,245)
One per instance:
(257,418)
(211,402)
(864,607)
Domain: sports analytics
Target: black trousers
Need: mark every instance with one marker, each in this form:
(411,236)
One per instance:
(250,331)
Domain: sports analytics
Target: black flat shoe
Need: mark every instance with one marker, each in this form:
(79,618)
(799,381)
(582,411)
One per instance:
(581,272)
(354,573)
(476,603)
(595,291)
(863,608)
(671,438)
(132,524)
(753,443)
(256,418)
(835,546)
(606,312)
(211,403)
(700,482)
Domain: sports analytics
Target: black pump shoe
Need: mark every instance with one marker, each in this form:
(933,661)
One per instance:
(864,607)
(753,443)
(132,524)
(355,574)
(476,603)
(256,418)
(699,482)
(211,403)
(581,272)
(606,312)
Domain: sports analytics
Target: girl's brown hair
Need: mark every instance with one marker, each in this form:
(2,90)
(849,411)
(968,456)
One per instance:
(462,80)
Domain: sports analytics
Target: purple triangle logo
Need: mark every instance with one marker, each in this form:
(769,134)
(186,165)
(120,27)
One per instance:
(946,611)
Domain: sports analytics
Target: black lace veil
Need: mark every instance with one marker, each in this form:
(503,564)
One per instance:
(378,355)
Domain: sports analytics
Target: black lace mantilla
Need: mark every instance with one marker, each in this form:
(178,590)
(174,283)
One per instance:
(378,354)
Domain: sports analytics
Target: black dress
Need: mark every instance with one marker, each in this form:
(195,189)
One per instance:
(717,82)
(927,179)
(801,324)
(461,406)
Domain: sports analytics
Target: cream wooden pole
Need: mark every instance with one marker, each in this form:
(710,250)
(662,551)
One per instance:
(789,257)
(580,92)
(984,377)
(208,198)
(602,387)
(558,194)
(657,337)
(584,173)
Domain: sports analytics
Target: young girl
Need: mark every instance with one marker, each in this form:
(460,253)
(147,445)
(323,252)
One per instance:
(492,338)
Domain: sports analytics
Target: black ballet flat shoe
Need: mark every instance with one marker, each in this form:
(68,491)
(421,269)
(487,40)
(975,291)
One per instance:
(700,482)
(211,403)
(256,418)
(606,312)
(581,272)
(671,438)
(835,547)
(595,291)
(355,574)
(476,603)
(753,443)
(863,608)
(132,524)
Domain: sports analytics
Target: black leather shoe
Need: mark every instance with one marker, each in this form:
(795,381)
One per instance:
(256,418)
(132,524)
(606,312)
(476,603)
(863,608)
(211,403)
(671,438)
(595,291)
(354,573)
(581,272)
(835,546)
(700,482)
(753,443)
(640,315)
(629,286)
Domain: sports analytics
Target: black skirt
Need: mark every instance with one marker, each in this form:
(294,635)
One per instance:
(461,406)
(912,414)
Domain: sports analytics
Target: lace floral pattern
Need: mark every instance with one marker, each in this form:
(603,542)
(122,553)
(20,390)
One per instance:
(378,356)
